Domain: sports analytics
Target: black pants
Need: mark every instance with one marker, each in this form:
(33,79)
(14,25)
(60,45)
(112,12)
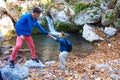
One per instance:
(1,76)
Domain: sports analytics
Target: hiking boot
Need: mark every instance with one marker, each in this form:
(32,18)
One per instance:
(11,64)
(36,60)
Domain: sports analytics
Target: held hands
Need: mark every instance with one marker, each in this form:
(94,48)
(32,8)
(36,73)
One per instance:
(51,36)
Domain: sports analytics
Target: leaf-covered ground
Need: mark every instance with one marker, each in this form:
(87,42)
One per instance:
(84,67)
(81,67)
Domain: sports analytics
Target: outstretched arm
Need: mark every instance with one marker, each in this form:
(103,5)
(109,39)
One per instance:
(41,28)
(57,39)
(52,37)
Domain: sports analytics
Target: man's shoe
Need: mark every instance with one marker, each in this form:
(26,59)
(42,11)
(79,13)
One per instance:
(36,60)
(11,64)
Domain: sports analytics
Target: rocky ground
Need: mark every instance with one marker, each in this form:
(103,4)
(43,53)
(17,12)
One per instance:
(101,64)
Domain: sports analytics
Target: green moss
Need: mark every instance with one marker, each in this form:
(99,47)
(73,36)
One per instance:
(19,9)
(35,30)
(66,27)
(80,6)
(43,24)
(10,32)
(109,16)
(80,31)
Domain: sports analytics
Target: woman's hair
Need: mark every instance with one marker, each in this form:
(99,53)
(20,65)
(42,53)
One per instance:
(63,34)
(37,10)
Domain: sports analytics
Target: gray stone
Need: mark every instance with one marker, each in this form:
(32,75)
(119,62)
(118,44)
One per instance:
(33,64)
(50,63)
(89,34)
(110,31)
(105,66)
(115,76)
(17,73)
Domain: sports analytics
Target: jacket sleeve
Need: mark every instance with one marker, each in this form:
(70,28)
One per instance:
(20,22)
(60,40)
(41,28)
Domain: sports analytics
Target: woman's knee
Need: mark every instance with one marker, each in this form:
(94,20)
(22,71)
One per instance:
(61,55)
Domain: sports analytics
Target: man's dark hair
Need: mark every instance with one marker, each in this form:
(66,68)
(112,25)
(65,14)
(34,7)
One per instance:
(37,10)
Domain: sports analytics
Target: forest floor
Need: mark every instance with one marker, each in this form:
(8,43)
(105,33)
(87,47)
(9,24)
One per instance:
(101,64)
(85,67)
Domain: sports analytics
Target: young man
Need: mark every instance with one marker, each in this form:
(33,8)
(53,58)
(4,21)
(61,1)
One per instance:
(62,49)
(24,27)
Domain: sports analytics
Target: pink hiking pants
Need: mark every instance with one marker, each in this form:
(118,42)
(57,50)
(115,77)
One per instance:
(19,42)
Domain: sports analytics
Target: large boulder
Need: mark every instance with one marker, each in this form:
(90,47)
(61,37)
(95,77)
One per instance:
(107,17)
(3,4)
(33,64)
(89,33)
(6,24)
(59,16)
(61,13)
(90,16)
(17,73)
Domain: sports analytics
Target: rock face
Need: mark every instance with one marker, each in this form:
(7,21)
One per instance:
(89,34)
(110,31)
(90,16)
(17,73)
(33,64)
(6,24)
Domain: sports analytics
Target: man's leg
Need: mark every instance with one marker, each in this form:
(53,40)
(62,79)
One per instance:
(62,57)
(29,41)
(1,76)
(15,51)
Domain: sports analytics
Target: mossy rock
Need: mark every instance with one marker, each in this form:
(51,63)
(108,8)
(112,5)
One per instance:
(66,27)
